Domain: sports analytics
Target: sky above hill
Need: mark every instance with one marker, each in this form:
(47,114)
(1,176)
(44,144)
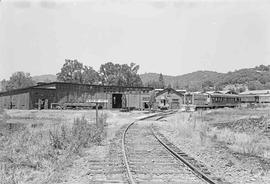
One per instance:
(171,37)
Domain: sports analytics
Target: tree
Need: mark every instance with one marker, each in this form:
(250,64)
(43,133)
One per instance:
(76,72)
(161,81)
(153,84)
(16,81)
(90,76)
(262,68)
(72,71)
(3,85)
(121,75)
(241,89)
(108,73)
(130,76)
(207,85)
(267,85)
(255,85)
(176,85)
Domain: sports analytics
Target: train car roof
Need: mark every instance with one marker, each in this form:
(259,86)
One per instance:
(223,95)
(256,92)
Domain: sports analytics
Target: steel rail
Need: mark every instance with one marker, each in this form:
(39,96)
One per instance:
(191,166)
(130,177)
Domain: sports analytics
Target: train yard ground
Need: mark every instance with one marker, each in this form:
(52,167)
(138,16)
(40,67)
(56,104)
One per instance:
(234,145)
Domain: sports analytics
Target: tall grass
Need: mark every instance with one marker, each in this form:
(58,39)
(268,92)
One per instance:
(196,126)
(186,126)
(244,143)
(32,154)
(250,140)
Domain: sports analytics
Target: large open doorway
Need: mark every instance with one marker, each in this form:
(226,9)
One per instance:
(145,105)
(116,100)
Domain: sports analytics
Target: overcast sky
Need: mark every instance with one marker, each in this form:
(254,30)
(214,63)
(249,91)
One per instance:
(169,37)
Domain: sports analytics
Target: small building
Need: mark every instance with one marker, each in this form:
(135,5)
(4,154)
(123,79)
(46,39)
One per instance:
(169,99)
(46,94)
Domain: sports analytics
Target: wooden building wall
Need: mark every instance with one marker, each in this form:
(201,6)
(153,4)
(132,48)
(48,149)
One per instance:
(28,98)
(42,94)
(15,101)
(173,100)
(5,102)
(70,93)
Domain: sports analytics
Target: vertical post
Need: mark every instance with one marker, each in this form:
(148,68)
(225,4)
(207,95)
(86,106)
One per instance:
(97,115)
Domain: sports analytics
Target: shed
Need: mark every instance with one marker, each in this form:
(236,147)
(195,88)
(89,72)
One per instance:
(169,98)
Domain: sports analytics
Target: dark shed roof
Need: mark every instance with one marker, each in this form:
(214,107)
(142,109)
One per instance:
(53,85)
(169,90)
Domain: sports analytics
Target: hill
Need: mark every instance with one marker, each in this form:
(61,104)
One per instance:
(148,77)
(45,78)
(251,78)
(254,78)
(192,80)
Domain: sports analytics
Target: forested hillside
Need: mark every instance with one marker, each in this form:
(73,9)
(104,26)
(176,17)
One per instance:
(192,81)
(252,78)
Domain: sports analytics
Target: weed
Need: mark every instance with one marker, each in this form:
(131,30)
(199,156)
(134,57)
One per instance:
(44,152)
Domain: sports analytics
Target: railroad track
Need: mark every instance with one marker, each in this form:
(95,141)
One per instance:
(150,158)
(112,168)
(137,155)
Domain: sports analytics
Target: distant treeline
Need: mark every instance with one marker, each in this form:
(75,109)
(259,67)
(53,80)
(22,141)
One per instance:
(76,72)
(127,75)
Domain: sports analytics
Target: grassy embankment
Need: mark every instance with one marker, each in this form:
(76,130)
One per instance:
(40,152)
(243,131)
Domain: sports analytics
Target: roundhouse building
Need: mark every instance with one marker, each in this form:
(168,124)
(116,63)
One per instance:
(48,94)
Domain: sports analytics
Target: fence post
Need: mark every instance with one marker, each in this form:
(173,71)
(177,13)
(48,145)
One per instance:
(97,115)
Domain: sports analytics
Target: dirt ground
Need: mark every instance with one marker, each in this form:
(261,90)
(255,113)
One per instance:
(186,131)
